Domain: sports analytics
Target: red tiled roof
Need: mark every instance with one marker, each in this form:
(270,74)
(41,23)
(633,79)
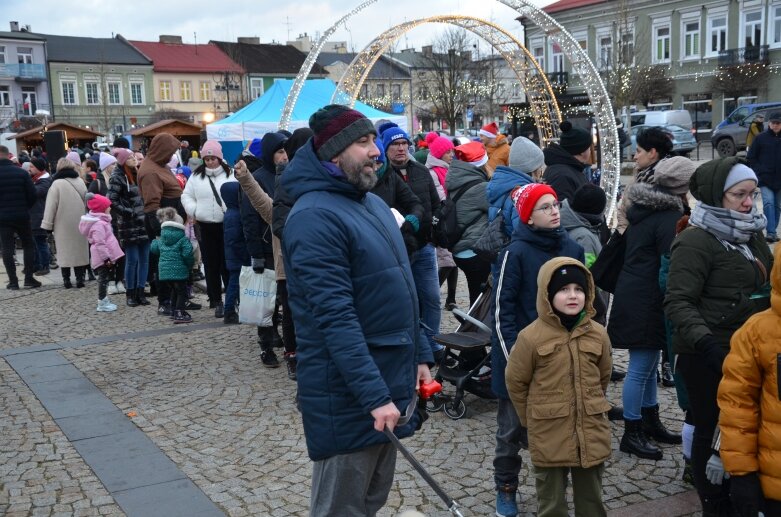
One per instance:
(565,5)
(175,57)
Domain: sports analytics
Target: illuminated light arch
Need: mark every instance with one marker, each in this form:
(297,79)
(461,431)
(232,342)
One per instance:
(542,100)
(579,60)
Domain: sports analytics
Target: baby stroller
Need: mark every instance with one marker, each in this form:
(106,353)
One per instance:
(469,369)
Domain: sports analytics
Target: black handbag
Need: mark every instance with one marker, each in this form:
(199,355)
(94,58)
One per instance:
(609,263)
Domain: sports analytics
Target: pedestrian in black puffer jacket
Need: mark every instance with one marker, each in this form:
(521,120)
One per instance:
(17,196)
(128,207)
(397,194)
(283,202)
(567,161)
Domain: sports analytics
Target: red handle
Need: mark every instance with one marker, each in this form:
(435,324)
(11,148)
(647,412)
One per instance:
(428,389)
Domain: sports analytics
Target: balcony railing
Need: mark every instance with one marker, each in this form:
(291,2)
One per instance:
(25,71)
(739,56)
(561,78)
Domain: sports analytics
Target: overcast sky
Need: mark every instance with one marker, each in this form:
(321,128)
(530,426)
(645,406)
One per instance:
(225,20)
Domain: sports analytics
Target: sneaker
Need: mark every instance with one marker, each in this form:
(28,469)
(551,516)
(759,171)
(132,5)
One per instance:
(120,286)
(112,289)
(192,306)
(292,364)
(269,359)
(182,317)
(231,318)
(105,305)
(506,505)
(41,272)
(164,309)
(12,286)
(449,306)
(31,282)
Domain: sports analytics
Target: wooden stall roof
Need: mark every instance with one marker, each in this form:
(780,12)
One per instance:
(172,126)
(74,132)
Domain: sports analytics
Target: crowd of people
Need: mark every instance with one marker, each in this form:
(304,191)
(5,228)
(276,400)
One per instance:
(346,213)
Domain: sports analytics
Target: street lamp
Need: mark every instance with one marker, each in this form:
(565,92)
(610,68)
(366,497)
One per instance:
(226,82)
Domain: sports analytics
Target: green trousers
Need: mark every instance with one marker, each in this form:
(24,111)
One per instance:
(551,484)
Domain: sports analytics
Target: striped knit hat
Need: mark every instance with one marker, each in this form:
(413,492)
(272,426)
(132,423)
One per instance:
(336,127)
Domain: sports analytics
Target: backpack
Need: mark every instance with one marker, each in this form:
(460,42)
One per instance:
(445,231)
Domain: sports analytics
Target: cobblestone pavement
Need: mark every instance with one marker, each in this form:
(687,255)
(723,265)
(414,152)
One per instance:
(231,426)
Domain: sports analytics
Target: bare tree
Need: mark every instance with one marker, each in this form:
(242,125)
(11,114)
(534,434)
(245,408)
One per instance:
(651,82)
(448,68)
(735,80)
(492,82)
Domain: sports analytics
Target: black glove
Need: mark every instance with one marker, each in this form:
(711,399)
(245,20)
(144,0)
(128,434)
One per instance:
(713,354)
(408,234)
(746,495)
(258,265)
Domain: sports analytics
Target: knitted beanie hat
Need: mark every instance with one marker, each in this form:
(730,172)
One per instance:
(431,136)
(392,133)
(673,174)
(74,157)
(106,160)
(589,199)
(567,274)
(336,127)
(439,146)
(490,130)
(97,203)
(574,140)
(255,149)
(525,155)
(121,154)
(211,148)
(739,172)
(526,196)
(473,152)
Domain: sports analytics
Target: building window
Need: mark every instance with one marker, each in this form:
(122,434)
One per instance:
(605,46)
(205,89)
(717,34)
(364,91)
(628,49)
(752,28)
(691,38)
(557,58)
(775,11)
(136,93)
(114,92)
(539,55)
(396,91)
(165,90)
(68,92)
(255,87)
(30,100)
(5,96)
(2,55)
(380,89)
(661,44)
(24,55)
(423,93)
(185,91)
(92,91)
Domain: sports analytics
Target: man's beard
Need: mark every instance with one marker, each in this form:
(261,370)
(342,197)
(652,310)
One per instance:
(362,180)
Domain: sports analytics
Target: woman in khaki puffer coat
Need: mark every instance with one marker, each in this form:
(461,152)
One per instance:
(557,375)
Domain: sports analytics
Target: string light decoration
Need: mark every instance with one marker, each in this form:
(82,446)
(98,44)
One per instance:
(533,80)
(581,65)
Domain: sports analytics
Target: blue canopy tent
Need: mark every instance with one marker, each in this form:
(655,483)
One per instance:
(262,115)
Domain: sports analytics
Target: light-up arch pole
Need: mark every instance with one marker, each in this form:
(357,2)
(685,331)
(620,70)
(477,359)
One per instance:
(542,100)
(581,64)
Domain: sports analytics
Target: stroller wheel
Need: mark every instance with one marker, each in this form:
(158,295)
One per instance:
(435,403)
(455,411)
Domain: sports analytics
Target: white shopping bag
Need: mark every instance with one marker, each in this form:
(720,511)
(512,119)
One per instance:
(257,296)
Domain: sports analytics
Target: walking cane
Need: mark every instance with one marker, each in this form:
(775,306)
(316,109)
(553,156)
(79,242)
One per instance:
(426,391)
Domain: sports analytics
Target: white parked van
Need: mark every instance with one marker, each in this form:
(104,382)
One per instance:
(680,118)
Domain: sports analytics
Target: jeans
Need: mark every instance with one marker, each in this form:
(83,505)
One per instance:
(232,290)
(640,383)
(511,436)
(424,271)
(8,242)
(43,254)
(771,206)
(136,265)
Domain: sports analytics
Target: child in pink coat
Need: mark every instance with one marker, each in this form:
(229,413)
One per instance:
(104,247)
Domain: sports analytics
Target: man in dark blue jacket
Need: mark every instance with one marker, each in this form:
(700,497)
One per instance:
(764,156)
(360,350)
(17,196)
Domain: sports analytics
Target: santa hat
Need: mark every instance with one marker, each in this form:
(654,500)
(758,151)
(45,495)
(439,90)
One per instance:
(490,130)
(473,152)
(525,197)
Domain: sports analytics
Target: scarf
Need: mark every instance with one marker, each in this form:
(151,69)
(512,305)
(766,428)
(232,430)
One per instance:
(646,175)
(214,172)
(733,229)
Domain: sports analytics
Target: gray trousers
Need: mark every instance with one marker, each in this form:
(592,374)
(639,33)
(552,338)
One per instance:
(354,484)
(551,484)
